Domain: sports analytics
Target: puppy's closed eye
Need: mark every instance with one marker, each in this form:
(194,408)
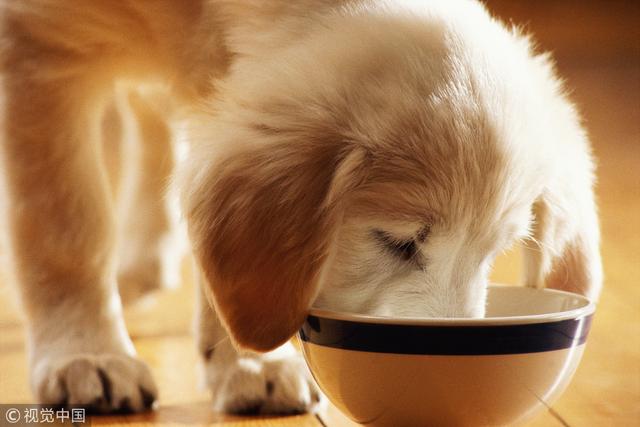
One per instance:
(404,249)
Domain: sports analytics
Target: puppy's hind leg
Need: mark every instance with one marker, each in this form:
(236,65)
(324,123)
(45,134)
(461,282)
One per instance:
(62,231)
(150,245)
(250,383)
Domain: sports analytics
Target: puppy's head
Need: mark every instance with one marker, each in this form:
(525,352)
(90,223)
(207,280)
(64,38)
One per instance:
(381,165)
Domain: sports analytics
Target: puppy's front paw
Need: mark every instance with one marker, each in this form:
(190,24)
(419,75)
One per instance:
(104,383)
(253,386)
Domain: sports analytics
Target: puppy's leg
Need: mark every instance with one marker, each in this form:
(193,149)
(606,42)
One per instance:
(62,233)
(150,247)
(251,383)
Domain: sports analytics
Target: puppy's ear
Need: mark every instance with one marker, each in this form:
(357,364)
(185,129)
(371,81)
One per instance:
(563,251)
(262,223)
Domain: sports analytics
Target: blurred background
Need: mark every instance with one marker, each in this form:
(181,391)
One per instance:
(597,48)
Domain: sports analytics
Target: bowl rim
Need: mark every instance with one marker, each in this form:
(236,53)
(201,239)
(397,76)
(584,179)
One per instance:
(586,309)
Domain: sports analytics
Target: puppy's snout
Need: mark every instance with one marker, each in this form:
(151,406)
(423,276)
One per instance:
(466,309)
(461,300)
(458,308)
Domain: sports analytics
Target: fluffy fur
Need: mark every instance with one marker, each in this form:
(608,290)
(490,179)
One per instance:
(367,155)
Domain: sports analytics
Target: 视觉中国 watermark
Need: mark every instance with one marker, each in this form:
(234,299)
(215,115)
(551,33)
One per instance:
(31,415)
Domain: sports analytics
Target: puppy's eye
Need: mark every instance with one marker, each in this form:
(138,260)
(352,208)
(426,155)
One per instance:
(404,249)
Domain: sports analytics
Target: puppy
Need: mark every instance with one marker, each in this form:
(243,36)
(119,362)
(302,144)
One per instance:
(367,155)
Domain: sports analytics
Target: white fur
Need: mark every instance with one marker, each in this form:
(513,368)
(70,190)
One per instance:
(315,127)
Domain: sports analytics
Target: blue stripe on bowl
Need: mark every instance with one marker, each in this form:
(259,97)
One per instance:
(446,340)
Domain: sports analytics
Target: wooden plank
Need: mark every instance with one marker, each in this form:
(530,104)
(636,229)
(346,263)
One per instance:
(332,417)
(200,413)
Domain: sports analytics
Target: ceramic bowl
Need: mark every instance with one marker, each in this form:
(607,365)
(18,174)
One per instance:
(498,370)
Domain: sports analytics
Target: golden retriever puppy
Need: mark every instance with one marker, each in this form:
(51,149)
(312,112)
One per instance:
(367,155)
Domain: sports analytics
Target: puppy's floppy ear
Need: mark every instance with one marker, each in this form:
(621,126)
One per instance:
(563,251)
(262,224)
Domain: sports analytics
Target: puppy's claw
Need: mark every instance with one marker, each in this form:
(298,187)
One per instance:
(105,383)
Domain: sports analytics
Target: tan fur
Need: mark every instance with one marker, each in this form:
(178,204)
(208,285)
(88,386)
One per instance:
(315,127)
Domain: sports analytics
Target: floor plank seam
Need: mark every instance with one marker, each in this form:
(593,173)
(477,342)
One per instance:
(558,417)
(321,421)
(160,335)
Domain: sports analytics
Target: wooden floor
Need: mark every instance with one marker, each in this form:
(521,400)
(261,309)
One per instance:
(606,388)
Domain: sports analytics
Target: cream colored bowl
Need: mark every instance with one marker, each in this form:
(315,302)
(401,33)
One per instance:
(499,370)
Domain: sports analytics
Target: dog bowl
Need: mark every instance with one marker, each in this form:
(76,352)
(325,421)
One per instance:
(498,370)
